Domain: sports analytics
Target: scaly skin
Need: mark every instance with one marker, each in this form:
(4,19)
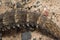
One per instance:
(33,19)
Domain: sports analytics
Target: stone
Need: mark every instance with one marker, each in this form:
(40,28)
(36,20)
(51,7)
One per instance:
(26,35)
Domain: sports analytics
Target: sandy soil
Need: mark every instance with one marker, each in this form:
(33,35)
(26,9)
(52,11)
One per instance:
(52,5)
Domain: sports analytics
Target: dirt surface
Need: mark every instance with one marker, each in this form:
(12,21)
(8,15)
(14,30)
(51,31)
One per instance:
(50,5)
(35,35)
